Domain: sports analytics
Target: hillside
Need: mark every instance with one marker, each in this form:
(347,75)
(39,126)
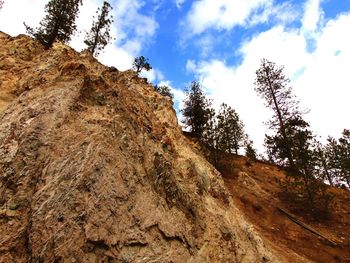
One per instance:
(94,168)
(255,190)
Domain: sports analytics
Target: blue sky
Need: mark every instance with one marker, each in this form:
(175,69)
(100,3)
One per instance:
(221,42)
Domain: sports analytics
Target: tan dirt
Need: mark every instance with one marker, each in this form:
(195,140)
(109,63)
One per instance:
(94,168)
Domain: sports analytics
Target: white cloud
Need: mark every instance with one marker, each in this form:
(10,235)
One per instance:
(153,75)
(179,3)
(312,15)
(220,15)
(15,12)
(283,13)
(324,85)
(320,78)
(191,66)
(133,30)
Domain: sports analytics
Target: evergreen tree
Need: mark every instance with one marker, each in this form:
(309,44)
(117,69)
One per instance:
(210,135)
(292,144)
(58,24)
(230,130)
(197,110)
(272,85)
(164,91)
(250,152)
(301,181)
(99,36)
(322,166)
(141,63)
(339,154)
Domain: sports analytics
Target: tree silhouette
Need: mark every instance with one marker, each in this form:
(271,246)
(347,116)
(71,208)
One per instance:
(197,109)
(141,63)
(323,167)
(1,4)
(250,152)
(58,24)
(99,35)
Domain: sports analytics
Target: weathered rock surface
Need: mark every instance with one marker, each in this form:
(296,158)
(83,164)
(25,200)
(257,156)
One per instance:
(94,168)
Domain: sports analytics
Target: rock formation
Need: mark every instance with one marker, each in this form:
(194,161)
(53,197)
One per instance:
(94,168)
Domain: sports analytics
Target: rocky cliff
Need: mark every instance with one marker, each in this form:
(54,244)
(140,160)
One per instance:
(94,168)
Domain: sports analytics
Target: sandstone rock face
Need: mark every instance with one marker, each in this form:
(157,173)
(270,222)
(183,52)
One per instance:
(94,168)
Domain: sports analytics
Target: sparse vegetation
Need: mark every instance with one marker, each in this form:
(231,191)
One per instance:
(99,35)
(58,24)
(141,63)
(164,91)
(292,144)
(250,152)
(197,110)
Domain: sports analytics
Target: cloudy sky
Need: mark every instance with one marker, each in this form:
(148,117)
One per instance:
(221,42)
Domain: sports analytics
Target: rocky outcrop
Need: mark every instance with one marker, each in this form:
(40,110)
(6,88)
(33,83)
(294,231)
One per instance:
(94,168)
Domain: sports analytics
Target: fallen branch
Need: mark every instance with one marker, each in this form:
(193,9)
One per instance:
(298,222)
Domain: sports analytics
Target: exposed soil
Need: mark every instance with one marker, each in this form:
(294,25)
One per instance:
(94,168)
(255,190)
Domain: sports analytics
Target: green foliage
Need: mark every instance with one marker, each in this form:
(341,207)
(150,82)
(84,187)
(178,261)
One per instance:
(230,131)
(164,91)
(58,24)
(141,63)
(292,145)
(224,131)
(338,152)
(197,110)
(99,35)
(272,85)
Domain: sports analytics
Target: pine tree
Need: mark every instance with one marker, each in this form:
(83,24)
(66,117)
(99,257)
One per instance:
(339,154)
(164,91)
(230,130)
(250,152)
(292,144)
(272,85)
(99,35)
(322,167)
(58,24)
(210,136)
(141,63)
(197,110)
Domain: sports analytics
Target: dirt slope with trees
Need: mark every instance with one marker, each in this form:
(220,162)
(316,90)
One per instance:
(94,168)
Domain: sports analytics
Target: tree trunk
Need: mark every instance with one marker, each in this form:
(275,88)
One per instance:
(324,164)
(281,123)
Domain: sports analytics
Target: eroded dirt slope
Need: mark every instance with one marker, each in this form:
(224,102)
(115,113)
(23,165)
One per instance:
(254,188)
(93,167)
